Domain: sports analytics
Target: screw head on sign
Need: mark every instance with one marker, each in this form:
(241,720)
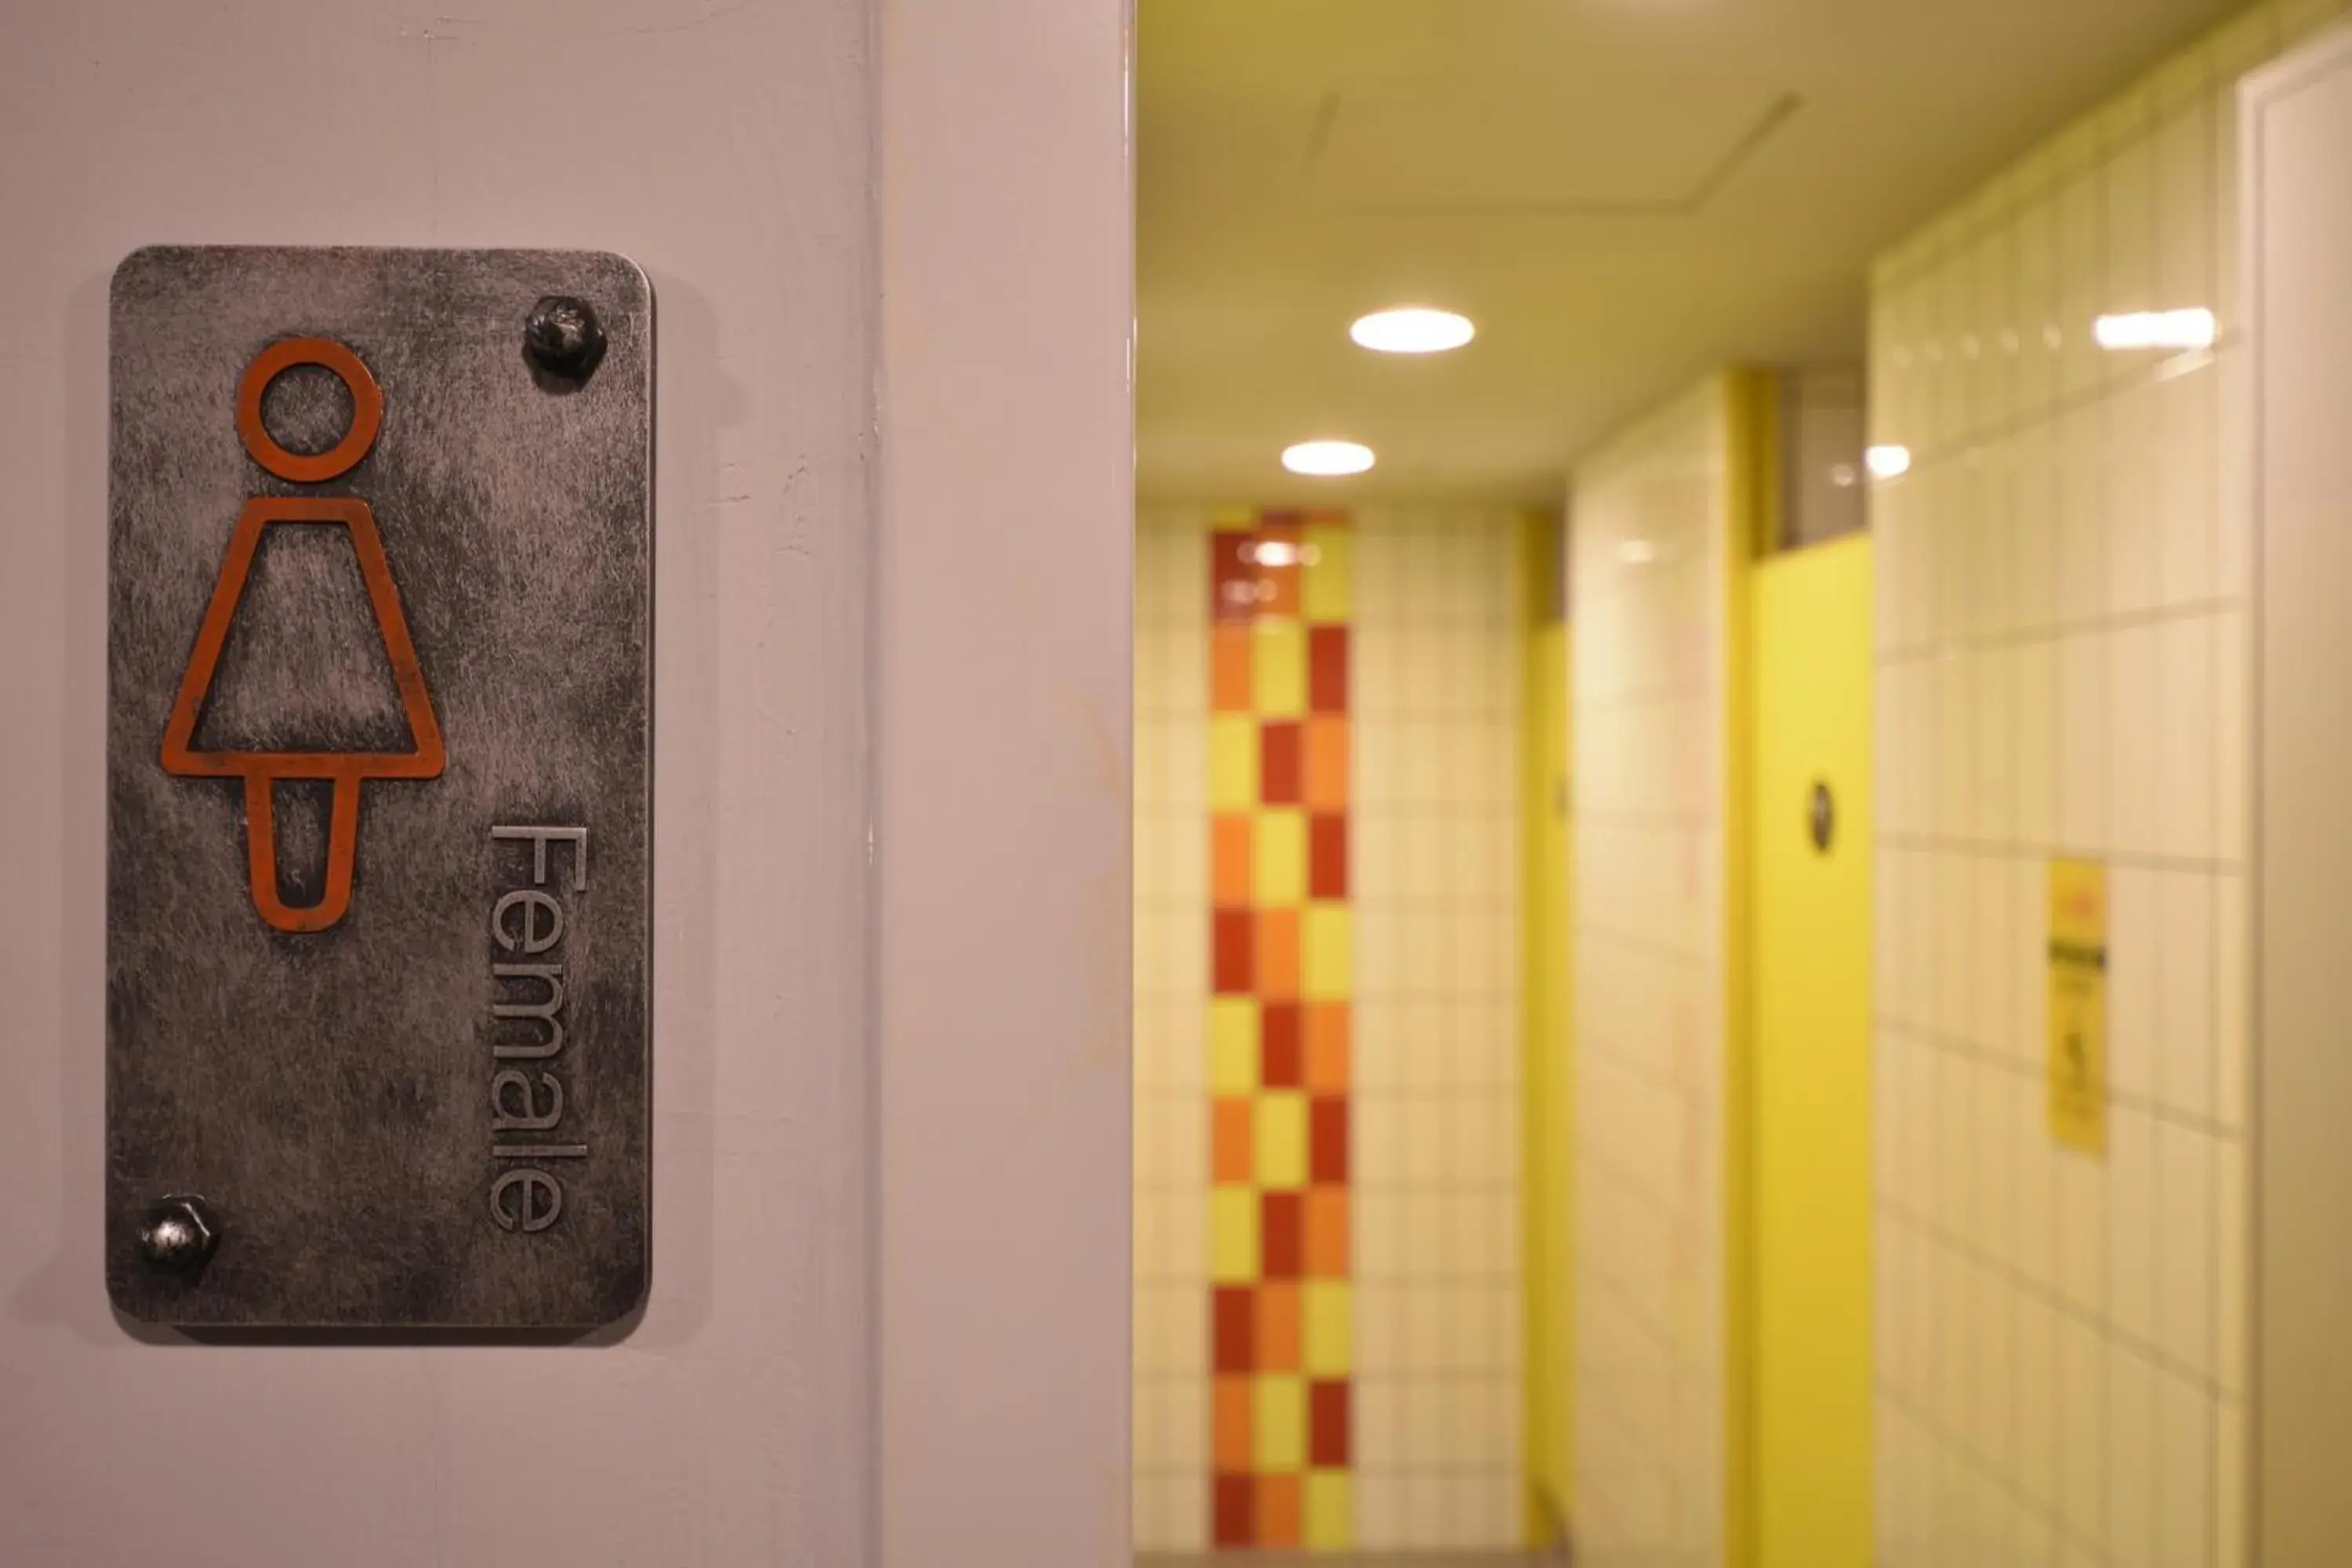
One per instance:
(562,339)
(178,1233)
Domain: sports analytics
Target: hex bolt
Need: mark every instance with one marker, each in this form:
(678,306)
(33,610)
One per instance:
(178,1234)
(562,338)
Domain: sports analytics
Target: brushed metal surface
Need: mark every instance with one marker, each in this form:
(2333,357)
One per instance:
(334,1097)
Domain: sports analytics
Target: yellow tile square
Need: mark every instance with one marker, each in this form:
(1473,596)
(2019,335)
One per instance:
(1279,666)
(1326,952)
(1279,1142)
(1281,1425)
(1232,1234)
(1327,588)
(1233,1045)
(1327,1329)
(1330,1511)
(1232,761)
(1279,862)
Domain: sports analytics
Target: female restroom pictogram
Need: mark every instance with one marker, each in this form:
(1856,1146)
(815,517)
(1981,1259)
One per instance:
(262,770)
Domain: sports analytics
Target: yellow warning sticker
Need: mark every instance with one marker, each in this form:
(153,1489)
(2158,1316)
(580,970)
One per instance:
(2078,1004)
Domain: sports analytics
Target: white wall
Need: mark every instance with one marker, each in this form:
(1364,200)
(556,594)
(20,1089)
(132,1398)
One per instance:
(1650,536)
(2063,593)
(729,149)
(1441,651)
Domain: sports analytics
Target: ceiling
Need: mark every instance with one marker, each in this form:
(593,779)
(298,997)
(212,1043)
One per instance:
(1620,193)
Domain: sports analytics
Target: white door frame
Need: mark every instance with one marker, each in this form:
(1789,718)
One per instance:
(2298,227)
(1002,740)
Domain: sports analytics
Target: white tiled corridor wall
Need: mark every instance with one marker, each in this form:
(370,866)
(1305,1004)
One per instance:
(2062,1356)
(1439,640)
(1171,1024)
(1649,534)
(1438,630)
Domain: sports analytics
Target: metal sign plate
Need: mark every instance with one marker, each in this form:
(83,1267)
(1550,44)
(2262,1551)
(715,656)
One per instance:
(379,788)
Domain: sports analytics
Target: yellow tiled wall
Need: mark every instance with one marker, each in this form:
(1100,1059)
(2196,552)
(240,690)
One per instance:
(2062,1357)
(1652,541)
(1437,628)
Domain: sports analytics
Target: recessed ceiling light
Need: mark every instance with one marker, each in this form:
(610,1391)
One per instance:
(1412,329)
(1327,458)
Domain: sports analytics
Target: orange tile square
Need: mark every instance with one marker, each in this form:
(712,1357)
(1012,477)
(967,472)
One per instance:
(1229,668)
(1280,1511)
(1278,954)
(1278,1326)
(1327,1047)
(1326,761)
(1233,1421)
(1327,1233)
(1231,835)
(1231,1121)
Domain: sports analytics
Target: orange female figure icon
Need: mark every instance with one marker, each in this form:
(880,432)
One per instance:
(262,770)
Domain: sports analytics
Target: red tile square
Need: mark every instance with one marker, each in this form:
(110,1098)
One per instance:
(1327,1132)
(1282,1048)
(1328,1427)
(1327,856)
(1233,576)
(1234,1332)
(1282,1235)
(1235,1524)
(1327,669)
(1234,959)
(1281,763)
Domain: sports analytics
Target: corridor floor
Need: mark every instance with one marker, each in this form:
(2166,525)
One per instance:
(1351,1560)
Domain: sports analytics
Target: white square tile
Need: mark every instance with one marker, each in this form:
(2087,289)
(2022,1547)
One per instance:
(2037,1185)
(2132,1221)
(1993,745)
(2085,744)
(2131,1457)
(2184,194)
(2187,475)
(2134,451)
(2185,1003)
(2083,1232)
(2078,524)
(2083,1431)
(2184,1474)
(2133,959)
(2033,1462)
(2186,1257)
(2037,304)
(2186,749)
(2082,279)
(2037,764)
(2132,748)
